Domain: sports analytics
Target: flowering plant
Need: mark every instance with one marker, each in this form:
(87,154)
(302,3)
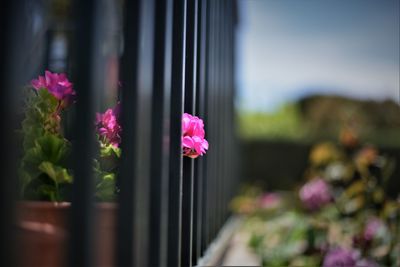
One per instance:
(106,166)
(58,85)
(44,168)
(340,216)
(193,142)
(44,173)
(340,257)
(315,194)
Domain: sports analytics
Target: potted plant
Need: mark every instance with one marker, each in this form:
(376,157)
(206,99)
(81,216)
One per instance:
(46,178)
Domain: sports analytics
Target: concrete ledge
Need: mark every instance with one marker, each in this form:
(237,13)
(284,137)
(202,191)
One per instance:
(215,253)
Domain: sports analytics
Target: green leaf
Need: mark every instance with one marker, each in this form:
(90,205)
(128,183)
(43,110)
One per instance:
(54,149)
(105,190)
(43,167)
(46,148)
(306,261)
(41,187)
(255,241)
(50,191)
(46,101)
(57,174)
(110,150)
(109,176)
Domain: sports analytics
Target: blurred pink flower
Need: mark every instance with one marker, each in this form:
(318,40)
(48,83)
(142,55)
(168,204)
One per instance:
(193,142)
(340,257)
(372,227)
(366,263)
(39,83)
(58,85)
(108,127)
(315,194)
(270,200)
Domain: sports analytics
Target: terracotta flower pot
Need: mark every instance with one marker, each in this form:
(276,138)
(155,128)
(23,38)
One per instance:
(43,233)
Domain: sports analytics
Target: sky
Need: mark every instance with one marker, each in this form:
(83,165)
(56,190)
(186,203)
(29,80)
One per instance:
(287,49)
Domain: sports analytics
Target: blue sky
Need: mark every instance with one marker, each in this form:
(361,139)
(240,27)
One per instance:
(290,48)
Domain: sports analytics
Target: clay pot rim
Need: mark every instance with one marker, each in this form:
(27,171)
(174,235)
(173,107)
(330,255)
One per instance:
(61,205)
(43,204)
(42,228)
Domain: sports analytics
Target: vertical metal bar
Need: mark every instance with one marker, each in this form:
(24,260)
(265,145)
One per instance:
(234,144)
(81,245)
(200,104)
(209,183)
(208,119)
(11,65)
(235,155)
(218,117)
(230,55)
(221,117)
(187,212)
(157,252)
(216,110)
(204,94)
(167,137)
(221,106)
(228,100)
(175,169)
(230,127)
(212,124)
(143,128)
(137,79)
(189,107)
(225,102)
(129,76)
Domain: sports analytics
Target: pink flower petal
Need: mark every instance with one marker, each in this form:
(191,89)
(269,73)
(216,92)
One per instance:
(193,133)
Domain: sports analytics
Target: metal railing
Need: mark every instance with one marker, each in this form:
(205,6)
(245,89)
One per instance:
(176,56)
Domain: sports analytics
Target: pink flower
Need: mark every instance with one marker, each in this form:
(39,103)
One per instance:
(270,200)
(193,142)
(194,146)
(39,83)
(366,263)
(192,126)
(372,227)
(58,85)
(108,127)
(315,194)
(341,257)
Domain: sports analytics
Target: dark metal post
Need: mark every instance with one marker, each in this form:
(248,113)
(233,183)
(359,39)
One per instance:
(81,242)
(11,67)
(205,222)
(212,127)
(200,110)
(190,107)
(218,119)
(137,93)
(158,221)
(129,67)
(175,170)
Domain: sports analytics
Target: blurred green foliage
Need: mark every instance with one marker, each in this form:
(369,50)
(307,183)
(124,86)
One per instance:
(285,123)
(43,170)
(360,216)
(316,118)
